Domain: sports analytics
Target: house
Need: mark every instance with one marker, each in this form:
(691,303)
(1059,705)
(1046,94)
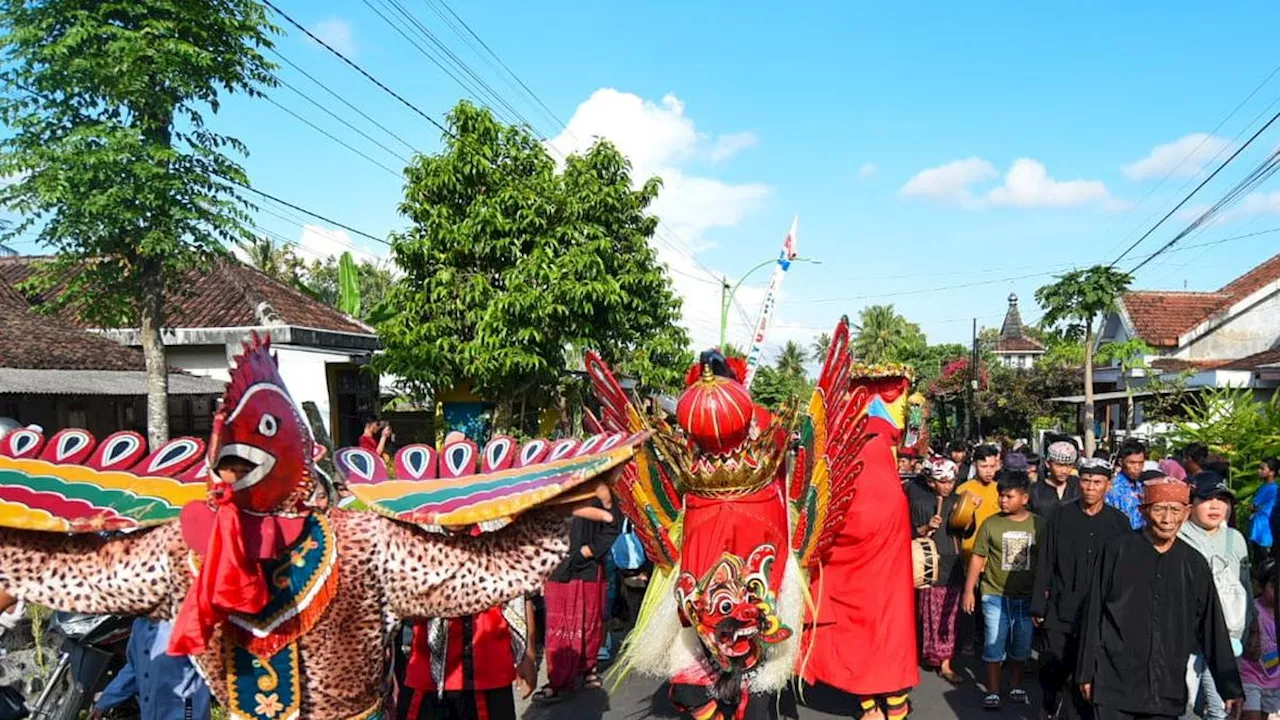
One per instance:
(1227,338)
(58,376)
(1014,349)
(323,353)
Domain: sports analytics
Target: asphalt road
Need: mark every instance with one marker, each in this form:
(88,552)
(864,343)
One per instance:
(934,699)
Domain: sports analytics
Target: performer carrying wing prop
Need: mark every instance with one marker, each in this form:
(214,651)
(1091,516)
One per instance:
(287,608)
(732,538)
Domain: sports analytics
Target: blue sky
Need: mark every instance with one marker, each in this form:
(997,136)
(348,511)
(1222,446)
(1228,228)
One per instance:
(922,148)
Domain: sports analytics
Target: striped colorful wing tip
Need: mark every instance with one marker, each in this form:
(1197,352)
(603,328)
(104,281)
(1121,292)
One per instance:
(75,484)
(487,490)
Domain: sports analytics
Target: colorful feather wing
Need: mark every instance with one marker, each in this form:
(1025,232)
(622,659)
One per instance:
(648,491)
(832,433)
(435,491)
(63,490)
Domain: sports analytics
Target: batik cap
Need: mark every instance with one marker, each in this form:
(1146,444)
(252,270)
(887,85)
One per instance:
(941,468)
(1063,453)
(1095,466)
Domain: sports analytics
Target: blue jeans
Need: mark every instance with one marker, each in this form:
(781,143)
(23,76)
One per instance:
(1200,686)
(1007,628)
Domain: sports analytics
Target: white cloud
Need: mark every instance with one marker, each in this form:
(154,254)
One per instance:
(729,145)
(950,183)
(1184,157)
(337,33)
(1260,203)
(660,139)
(868,170)
(1026,184)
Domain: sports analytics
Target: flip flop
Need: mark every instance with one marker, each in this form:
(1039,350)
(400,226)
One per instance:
(991,701)
(951,676)
(547,696)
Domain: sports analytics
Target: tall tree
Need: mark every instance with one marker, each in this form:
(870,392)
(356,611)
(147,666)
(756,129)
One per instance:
(791,359)
(821,345)
(113,161)
(374,280)
(1074,303)
(508,262)
(1129,356)
(275,261)
(883,335)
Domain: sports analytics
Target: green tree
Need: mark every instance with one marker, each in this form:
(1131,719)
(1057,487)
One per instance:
(733,351)
(820,346)
(883,335)
(928,361)
(791,359)
(112,161)
(507,262)
(1073,304)
(374,280)
(1129,355)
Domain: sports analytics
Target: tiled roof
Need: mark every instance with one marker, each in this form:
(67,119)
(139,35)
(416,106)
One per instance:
(231,294)
(1266,357)
(34,342)
(1179,365)
(1160,317)
(1018,345)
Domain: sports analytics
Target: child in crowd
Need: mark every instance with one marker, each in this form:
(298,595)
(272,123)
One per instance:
(1004,556)
(1260,665)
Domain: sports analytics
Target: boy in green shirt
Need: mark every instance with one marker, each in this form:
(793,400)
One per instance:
(1004,557)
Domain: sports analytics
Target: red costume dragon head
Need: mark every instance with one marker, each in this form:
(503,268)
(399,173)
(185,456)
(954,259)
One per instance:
(733,610)
(259,425)
(260,463)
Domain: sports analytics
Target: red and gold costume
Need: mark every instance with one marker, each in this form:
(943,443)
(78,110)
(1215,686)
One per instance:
(863,640)
(732,535)
(286,604)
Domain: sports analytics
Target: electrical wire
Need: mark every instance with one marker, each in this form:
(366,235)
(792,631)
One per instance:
(334,138)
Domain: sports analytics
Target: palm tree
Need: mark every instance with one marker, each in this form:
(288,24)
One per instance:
(791,360)
(820,347)
(275,262)
(883,334)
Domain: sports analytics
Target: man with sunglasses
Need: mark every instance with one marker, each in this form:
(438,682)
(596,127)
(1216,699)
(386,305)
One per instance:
(1151,603)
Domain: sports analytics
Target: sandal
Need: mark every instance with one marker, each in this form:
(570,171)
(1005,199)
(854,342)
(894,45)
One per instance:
(951,676)
(592,681)
(991,701)
(547,695)
(1019,697)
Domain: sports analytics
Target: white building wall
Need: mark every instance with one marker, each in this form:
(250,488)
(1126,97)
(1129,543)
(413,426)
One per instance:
(1252,331)
(209,361)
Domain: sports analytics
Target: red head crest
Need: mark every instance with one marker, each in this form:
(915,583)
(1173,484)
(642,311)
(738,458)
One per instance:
(259,426)
(716,410)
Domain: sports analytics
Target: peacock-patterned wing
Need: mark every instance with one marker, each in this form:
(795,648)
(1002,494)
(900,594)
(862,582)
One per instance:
(71,483)
(832,432)
(648,490)
(462,487)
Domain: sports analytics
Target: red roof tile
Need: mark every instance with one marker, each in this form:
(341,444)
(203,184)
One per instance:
(1266,357)
(1160,317)
(1178,364)
(229,295)
(1018,345)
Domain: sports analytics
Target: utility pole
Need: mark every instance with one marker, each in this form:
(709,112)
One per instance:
(972,385)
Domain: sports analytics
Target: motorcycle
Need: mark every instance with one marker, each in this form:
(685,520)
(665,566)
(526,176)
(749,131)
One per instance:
(93,651)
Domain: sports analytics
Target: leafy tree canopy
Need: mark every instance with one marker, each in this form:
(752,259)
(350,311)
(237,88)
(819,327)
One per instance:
(109,155)
(884,336)
(509,261)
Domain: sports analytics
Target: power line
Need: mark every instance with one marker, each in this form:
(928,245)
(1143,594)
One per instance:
(1205,139)
(342,120)
(1187,199)
(305,211)
(333,137)
(288,18)
(338,96)
(494,55)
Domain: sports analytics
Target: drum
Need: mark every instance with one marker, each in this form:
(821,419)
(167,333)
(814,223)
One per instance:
(924,562)
(962,515)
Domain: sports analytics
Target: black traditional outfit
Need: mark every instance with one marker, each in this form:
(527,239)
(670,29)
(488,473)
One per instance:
(1045,500)
(1147,611)
(1069,551)
(937,604)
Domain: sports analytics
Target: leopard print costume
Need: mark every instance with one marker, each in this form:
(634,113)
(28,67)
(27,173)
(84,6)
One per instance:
(388,572)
